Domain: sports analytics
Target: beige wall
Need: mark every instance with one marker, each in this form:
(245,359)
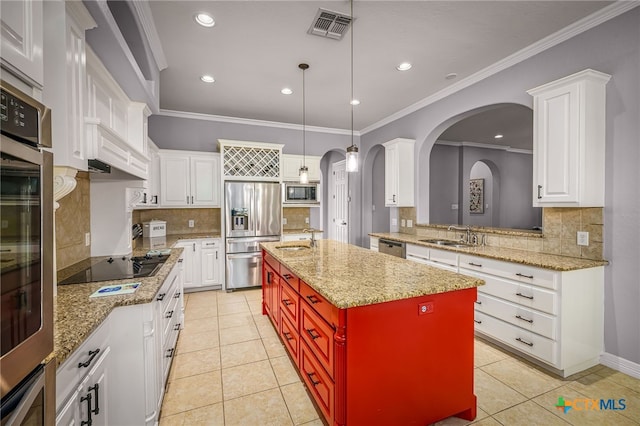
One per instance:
(560,226)
(205,220)
(73,221)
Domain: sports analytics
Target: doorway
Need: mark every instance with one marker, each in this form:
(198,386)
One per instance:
(339,202)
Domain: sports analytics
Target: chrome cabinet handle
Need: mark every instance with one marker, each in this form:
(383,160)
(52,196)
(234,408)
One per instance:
(524,341)
(530,321)
(525,276)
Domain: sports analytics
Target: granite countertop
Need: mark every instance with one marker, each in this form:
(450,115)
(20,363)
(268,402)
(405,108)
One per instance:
(76,315)
(540,260)
(350,276)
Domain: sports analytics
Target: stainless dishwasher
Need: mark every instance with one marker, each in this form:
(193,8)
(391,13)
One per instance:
(394,248)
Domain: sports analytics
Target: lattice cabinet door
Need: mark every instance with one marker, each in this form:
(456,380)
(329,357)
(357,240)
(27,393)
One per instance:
(253,161)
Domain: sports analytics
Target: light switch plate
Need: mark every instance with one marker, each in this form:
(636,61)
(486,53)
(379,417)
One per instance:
(284,220)
(403,222)
(409,223)
(87,239)
(306,220)
(583,238)
(191,223)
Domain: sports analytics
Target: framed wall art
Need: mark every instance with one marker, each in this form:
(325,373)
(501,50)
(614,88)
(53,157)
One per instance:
(476,196)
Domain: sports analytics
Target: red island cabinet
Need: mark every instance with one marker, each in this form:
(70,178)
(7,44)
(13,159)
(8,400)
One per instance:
(402,362)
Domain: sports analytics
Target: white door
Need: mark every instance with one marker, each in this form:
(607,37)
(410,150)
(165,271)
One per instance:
(339,206)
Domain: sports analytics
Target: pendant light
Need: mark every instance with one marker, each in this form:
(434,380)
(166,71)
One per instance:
(352,151)
(304,171)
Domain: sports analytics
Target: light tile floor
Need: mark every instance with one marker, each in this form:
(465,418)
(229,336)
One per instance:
(231,369)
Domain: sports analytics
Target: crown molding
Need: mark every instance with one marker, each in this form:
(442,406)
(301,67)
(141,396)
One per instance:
(578,27)
(485,146)
(253,122)
(143,11)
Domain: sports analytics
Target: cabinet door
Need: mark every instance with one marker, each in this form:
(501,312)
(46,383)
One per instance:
(191,263)
(313,163)
(556,146)
(94,392)
(22,40)
(291,167)
(205,173)
(210,266)
(69,415)
(174,180)
(391,175)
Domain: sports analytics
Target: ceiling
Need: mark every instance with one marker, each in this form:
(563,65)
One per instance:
(254,49)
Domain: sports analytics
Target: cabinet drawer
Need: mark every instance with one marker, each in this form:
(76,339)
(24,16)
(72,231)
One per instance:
(290,278)
(80,362)
(521,294)
(522,340)
(291,338)
(318,335)
(418,254)
(319,303)
(317,381)
(271,261)
(167,292)
(442,256)
(289,304)
(169,317)
(210,244)
(512,271)
(522,317)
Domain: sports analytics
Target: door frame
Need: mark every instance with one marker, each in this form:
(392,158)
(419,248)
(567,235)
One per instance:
(332,202)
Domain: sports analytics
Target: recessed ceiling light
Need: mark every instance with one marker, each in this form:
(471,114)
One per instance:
(205,20)
(498,136)
(207,78)
(355,102)
(451,76)
(405,66)
(286,91)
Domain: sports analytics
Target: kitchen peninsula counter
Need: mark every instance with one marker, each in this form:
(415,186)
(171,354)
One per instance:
(76,315)
(370,334)
(540,260)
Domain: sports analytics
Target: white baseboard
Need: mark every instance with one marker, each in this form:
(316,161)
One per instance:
(620,364)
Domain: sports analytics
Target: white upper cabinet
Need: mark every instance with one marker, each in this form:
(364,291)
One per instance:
(65,80)
(189,179)
(398,173)
(22,40)
(569,141)
(291,167)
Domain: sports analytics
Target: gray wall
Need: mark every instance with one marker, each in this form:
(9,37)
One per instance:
(380,215)
(444,173)
(613,48)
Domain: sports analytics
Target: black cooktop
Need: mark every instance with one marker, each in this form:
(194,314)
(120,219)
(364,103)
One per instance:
(118,268)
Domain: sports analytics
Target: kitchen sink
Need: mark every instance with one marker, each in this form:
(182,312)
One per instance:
(292,248)
(448,243)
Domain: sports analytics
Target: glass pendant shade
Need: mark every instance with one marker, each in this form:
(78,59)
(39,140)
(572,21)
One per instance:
(304,174)
(352,159)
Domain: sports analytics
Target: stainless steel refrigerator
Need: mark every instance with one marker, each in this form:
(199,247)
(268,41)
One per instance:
(253,214)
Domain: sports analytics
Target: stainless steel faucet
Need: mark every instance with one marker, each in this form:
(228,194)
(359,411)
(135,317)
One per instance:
(313,236)
(467,229)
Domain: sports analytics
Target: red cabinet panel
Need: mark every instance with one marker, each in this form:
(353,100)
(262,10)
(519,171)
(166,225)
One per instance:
(290,337)
(319,303)
(290,278)
(318,382)
(289,301)
(270,293)
(318,335)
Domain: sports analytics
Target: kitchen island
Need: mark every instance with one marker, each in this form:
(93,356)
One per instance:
(376,339)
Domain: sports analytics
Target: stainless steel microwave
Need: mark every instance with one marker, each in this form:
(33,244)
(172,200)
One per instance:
(301,193)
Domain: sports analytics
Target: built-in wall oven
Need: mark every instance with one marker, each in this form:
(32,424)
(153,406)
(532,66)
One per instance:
(26,260)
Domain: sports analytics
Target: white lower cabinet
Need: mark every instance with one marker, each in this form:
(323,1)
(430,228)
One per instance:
(555,318)
(373,244)
(305,236)
(118,375)
(82,382)
(203,259)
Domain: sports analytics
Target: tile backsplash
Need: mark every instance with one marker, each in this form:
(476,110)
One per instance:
(73,221)
(560,226)
(205,220)
(296,217)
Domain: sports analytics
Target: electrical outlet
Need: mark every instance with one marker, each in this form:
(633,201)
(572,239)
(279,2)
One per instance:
(306,220)
(583,238)
(409,223)
(403,222)
(394,222)
(284,220)
(454,207)
(87,239)
(192,223)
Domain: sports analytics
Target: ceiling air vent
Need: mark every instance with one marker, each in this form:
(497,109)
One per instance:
(330,24)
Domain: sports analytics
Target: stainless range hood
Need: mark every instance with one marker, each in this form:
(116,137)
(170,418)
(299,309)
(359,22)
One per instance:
(97,166)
